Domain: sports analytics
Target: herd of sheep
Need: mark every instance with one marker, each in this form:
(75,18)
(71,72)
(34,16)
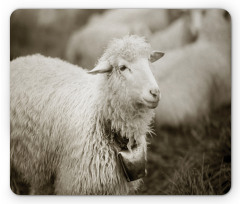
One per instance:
(66,121)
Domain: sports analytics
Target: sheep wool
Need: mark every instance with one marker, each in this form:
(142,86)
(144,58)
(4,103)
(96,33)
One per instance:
(58,116)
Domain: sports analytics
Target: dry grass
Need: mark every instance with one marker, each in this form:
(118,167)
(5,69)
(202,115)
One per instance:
(192,160)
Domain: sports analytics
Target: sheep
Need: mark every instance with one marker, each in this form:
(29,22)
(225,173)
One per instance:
(196,78)
(51,19)
(57,19)
(113,23)
(86,45)
(70,127)
(154,19)
(181,32)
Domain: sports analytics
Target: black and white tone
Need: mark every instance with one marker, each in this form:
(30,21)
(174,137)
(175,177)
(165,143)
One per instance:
(120,102)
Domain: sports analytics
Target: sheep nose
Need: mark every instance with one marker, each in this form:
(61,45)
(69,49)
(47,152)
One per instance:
(155,93)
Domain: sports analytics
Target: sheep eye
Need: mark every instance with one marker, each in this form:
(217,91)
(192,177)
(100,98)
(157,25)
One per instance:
(122,68)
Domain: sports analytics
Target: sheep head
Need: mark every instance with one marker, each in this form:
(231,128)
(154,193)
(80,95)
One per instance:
(127,63)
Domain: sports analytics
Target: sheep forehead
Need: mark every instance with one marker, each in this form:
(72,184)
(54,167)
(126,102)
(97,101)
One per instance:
(129,48)
(139,63)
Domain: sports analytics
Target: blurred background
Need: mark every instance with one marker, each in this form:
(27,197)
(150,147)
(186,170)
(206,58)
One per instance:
(191,150)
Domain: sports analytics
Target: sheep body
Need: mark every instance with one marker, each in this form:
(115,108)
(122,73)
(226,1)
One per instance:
(52,17)
(196,78)
(154,19)
(59,114)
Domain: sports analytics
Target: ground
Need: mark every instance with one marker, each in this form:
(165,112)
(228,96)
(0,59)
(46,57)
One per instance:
(191,160)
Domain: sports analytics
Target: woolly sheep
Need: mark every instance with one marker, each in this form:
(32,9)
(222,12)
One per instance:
(86,45)
(181,32)
(196,78)
(60,115)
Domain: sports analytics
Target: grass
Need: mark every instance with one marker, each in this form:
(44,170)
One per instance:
(193,160)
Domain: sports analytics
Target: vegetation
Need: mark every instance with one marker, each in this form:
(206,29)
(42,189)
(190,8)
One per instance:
(192,160)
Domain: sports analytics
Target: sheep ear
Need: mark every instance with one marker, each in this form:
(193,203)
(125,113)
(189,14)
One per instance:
(102,67)
(155,55)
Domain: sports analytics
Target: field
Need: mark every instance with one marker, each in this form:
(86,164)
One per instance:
(192,160)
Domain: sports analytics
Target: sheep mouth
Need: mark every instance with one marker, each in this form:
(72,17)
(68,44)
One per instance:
(151,104)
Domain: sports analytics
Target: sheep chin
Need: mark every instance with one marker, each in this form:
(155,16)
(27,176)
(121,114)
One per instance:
(149,104)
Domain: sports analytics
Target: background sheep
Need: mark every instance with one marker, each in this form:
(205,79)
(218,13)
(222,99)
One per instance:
(196,78)
(113,23)
(60,115)
(179,33)
(45,31)
(79,50)
(154,19)
(53,17)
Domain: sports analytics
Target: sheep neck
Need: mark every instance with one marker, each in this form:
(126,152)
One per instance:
(126,119)
(115,137)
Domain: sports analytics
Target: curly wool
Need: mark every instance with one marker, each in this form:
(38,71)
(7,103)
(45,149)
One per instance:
(129,47)
(58,117)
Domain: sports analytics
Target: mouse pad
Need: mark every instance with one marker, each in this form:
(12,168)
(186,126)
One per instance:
(120,102)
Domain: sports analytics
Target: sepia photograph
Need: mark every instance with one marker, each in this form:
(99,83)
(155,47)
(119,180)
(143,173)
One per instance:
(120,101)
